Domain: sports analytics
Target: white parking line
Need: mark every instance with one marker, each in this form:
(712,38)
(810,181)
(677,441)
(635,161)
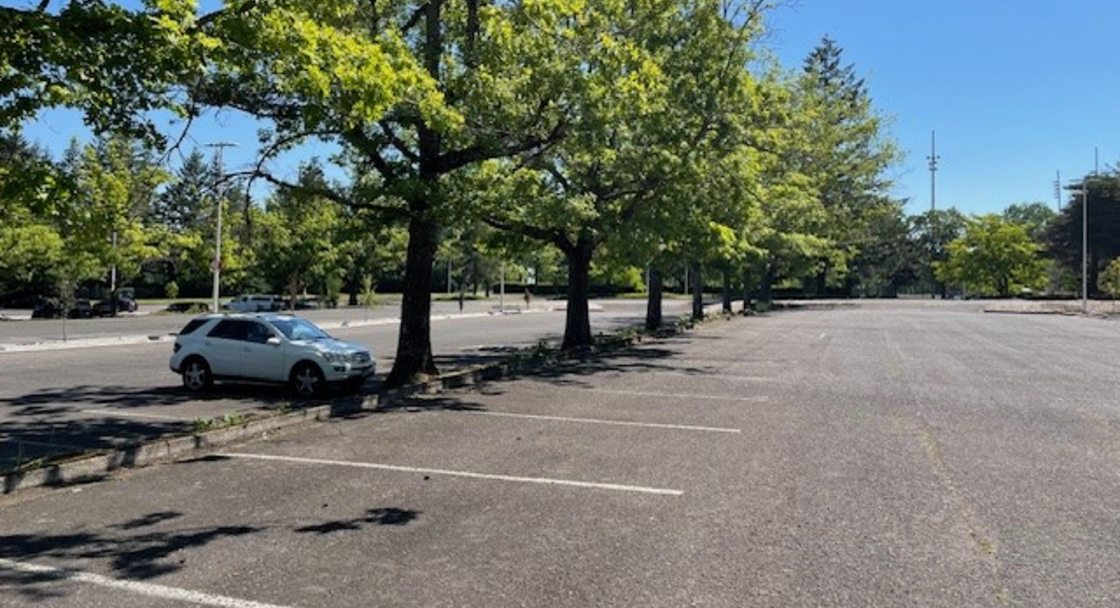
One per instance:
(468,474)
(149,589)
(652,425)
(751,399)
(755,398)
(713,376)
(124,414)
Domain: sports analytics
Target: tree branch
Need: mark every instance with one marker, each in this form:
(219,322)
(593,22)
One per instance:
(548,235)
(397,142)
(414,18)
(357,138)
(464,156)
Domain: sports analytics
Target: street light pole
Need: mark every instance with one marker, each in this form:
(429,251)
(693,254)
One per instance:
(216,265)
(502,288)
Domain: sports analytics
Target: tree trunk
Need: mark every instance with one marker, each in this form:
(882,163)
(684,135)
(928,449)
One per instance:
(746,292)
(653,304)
(697,280)
(577,324)
(821,282)
(414,341)
(352,287)
(726,291)
(767,294)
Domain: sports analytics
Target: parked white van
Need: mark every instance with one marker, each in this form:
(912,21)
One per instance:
(256,303)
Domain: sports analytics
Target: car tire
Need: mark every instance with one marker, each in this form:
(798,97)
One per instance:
(307,380)
(196,375)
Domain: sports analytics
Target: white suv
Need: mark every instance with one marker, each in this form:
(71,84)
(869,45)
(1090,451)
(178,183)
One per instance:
(268,348)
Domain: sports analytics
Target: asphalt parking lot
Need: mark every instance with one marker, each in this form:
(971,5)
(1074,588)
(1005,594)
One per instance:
(888,456)
(61,401)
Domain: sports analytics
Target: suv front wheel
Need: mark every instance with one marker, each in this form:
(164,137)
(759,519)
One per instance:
(307,380)
(196,375)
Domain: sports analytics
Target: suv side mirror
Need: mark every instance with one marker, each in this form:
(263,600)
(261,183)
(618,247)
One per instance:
(273,341)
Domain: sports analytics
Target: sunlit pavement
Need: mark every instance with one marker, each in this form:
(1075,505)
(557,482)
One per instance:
(890,456)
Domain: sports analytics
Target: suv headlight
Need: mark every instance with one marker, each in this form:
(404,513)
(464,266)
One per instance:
(334,357)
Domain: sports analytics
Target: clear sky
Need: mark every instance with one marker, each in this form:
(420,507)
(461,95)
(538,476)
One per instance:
(1016,90)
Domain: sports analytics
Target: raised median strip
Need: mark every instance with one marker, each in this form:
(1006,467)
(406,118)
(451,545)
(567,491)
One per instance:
(93,465)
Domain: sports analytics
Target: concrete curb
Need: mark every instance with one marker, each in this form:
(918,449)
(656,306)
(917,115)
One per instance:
(93,467)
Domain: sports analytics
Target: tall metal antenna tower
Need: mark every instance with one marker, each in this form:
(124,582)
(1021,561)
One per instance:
(1058,189)
(933,158)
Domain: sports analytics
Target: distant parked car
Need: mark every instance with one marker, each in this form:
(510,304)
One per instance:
(308,304)
(267,348)
(46,308)
(188,307)
(255,303)
(104,308)
(82,309)
(50,308)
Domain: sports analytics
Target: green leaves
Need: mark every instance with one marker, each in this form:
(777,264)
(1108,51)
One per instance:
(994,256)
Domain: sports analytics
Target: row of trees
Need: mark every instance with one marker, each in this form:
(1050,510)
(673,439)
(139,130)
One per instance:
(611,136)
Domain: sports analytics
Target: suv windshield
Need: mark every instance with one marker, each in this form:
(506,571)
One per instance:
(298,329)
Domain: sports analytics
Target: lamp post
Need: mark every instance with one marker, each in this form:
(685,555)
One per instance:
(219,190)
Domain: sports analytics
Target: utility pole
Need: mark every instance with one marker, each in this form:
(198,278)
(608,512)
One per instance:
(1085,246)
(113,277)
(933,158)
(219,191)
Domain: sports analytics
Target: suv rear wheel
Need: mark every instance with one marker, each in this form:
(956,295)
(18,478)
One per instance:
(307,380)
(196,375)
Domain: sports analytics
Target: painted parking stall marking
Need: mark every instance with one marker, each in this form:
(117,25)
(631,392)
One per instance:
(197,598)
(605,391)
(452,473)
(652,425)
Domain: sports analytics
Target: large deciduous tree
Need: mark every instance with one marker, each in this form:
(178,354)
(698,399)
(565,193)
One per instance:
(414,92)
(655,103)
(994,256)
(931,233)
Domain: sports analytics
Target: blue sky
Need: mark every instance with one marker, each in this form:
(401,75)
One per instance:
(1016,90)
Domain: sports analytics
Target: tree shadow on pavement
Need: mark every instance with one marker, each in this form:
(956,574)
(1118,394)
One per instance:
(62,399)
(138,555)
(52,423)
(430,403)
(390,516)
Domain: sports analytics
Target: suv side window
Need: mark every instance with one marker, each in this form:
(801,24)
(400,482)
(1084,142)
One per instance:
(258,333)
(230,330)
(191,326)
